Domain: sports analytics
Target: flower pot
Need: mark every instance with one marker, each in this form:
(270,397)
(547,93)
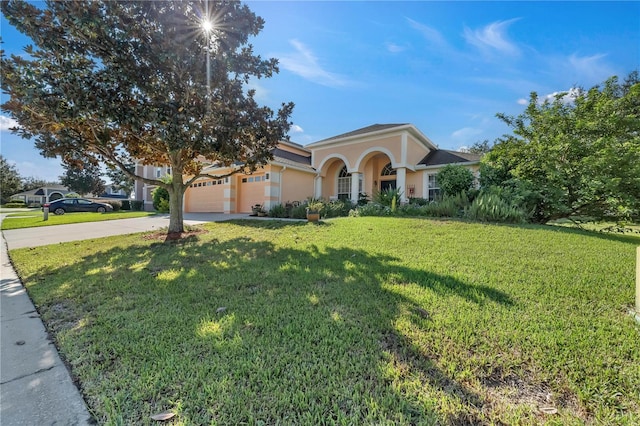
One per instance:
(313,216)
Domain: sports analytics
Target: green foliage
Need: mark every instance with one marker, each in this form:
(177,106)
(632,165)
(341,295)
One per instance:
(454,179)
(137,205)
(418,201)
(71,195)
(490,207)
(116,204)
(448,206)
(83,178)
(386,196)
(126,205)
(10,181)
(315,205)
(299,212)
(15,204)
(580,153)
(160,199)
(278,211)
(339,208)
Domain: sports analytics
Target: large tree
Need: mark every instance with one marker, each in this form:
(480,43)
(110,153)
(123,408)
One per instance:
(577,154)
(83,179)
(161,82)
(10,182)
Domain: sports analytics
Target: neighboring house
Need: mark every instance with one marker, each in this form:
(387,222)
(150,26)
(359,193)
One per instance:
(42,195)
(111,192)
(366,160)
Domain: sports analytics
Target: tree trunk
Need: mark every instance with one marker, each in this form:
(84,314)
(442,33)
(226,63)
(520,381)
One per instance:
(176,195)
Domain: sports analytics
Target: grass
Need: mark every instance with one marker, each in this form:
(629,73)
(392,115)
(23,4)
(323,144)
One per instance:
(34,218)
(353,321)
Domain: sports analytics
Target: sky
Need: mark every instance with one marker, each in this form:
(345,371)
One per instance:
(446,67)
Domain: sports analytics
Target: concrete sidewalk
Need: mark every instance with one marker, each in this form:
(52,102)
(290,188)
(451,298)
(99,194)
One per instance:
(35,385)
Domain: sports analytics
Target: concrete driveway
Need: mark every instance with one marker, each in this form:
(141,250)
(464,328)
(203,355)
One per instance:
(45,235)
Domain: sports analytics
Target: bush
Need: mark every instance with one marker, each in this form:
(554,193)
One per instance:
(137,205)
(161,199)
(278,211)
(490,207)
(372,209)
(386,197)
(299,212)
(116,204)
(15,204)
(338,208)
(454,179)
(448,206)
(419,201)
(126,205)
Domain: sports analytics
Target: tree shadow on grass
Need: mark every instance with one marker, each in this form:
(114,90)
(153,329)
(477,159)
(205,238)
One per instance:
(242,330)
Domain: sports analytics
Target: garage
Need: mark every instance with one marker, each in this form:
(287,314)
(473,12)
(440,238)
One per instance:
(205,196)
(250,191)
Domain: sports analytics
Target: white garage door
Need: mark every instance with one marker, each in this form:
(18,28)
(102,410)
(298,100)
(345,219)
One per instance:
(205,197)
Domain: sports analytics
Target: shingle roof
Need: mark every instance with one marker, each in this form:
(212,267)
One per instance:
(296,158)
(368,129)
(443,156)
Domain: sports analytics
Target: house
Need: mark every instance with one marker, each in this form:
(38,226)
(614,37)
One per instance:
(365,160)
(42,195)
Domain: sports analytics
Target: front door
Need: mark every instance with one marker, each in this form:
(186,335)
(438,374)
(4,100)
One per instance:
(387,184)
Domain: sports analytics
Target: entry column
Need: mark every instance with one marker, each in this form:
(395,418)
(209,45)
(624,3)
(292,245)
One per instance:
(401,183)
(355,187)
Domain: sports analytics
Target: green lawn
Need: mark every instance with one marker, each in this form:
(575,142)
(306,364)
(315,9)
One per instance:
(353,321)
(30,219)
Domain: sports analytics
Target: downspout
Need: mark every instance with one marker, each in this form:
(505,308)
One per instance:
(280,185)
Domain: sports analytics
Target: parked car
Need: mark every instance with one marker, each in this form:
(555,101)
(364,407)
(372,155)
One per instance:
(70,205)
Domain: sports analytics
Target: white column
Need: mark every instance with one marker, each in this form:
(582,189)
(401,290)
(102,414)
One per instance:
(401,183)
(318,187)
(355,187)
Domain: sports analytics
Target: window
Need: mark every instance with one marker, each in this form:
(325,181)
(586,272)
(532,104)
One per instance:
(388,171)
(158,172)
(244,180)
(433,188)
(168,170)
(344,184)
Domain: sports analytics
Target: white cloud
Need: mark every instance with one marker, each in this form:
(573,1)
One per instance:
(296,129)
(304,63)
(493,38)
(466,133)
(566,96)
(590,69)
(395,48)
(432,35)
(7,123)
(523,101)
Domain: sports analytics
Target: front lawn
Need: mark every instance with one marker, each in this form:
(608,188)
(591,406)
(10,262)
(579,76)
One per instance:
(31,219)
(353,321)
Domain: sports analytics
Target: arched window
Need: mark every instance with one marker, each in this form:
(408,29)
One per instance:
(344,184)
(388,171)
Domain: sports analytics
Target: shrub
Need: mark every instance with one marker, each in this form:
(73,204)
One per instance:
(387,196)
(116,204)
(448,206)
(419,201)
(278,211)
(72,195)
(454,179)
(137,205)
(159,195)
(15,204)
(490,207)
(299,212)
(338,208)
(372,209)
(126,205)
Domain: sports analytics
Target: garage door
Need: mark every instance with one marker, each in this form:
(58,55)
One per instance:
(251,192)
(205,197)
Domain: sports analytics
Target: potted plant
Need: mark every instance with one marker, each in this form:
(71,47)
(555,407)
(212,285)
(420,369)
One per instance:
(313,210)
(255,209)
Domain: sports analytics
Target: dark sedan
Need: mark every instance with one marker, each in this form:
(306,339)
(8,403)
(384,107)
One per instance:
(70,205)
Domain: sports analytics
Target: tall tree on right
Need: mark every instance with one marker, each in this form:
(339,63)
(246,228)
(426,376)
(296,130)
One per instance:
(578,152)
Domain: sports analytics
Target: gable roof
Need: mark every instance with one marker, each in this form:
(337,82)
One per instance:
(443,156)
(364,130)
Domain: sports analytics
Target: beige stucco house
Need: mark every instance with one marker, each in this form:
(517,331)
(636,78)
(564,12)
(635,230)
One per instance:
(341,167)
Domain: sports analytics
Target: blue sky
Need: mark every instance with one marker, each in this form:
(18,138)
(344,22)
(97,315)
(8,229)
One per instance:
(446,67)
